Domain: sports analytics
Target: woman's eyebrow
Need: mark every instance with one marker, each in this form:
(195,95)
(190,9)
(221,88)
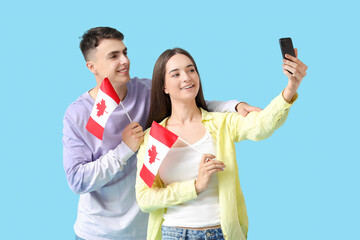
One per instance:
(176,69)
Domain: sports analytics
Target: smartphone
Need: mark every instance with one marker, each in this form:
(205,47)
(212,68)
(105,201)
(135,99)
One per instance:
(286,47)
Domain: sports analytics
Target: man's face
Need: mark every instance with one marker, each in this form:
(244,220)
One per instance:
(110,60)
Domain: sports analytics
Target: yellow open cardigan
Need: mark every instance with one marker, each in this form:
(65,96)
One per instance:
(226,128)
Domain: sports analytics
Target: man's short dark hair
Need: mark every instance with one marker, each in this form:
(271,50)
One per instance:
(93,37)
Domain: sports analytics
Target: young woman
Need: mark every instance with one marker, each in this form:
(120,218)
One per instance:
(198,196)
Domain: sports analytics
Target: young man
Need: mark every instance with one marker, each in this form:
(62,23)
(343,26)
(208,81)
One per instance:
(104,172)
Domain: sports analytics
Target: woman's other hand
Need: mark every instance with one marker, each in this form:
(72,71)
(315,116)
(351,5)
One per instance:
(207,167)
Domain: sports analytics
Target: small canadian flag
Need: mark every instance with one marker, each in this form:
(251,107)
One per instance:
(159,143)
(106,102)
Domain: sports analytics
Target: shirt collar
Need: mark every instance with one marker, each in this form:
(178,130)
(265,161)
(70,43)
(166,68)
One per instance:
(205,115)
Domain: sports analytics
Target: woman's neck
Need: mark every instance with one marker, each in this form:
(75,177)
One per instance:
(183,113)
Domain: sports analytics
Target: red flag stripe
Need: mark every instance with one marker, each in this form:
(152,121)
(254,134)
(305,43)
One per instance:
(163,135)
(96,129)
(147,176)
(107,88)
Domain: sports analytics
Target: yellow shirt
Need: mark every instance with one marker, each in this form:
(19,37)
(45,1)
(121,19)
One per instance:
(226,128)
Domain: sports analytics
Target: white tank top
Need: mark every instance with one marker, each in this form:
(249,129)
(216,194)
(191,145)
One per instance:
(182,164)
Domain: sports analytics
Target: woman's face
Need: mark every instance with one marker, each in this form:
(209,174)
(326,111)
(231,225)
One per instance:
(181,79)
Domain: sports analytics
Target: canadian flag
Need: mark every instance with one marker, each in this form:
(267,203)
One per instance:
(106,102)
(159,143)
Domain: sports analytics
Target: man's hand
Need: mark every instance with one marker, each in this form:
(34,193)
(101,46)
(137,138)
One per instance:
(133,135)
(298,69)
(243,108)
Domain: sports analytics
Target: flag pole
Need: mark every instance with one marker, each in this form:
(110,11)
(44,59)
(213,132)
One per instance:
(191,145)
(208,159)
(121,104)
(125,111)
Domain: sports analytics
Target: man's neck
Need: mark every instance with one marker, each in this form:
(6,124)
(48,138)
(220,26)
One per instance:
(121,91)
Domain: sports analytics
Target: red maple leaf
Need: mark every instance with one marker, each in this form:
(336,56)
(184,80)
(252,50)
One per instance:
(101,108)
(152,154)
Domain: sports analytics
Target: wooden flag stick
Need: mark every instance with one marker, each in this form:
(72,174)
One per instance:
(125,111)
(191,146)
(208,159)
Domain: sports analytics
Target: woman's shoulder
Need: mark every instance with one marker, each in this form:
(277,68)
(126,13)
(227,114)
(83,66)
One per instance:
(216,116)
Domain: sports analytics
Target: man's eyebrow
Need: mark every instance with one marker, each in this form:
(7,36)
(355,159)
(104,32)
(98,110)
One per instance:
(176,69)
(116,52)
(112,53)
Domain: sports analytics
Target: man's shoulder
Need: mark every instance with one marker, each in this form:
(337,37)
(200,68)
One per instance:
(79,109)
(141,83)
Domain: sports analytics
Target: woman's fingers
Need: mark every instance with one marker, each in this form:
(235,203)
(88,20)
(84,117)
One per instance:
(207,166)
(295,63)
(208,163)
(295,76)
(214,165)
(299,67)
(206,157)
(215,170)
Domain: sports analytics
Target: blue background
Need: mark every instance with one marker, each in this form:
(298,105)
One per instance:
(302,183)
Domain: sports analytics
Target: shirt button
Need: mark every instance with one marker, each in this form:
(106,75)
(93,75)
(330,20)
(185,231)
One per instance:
(208,234)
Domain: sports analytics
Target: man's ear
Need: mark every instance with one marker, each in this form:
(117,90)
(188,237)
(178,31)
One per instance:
(91,66)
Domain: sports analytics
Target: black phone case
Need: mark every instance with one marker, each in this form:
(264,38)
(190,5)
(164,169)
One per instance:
(286,47)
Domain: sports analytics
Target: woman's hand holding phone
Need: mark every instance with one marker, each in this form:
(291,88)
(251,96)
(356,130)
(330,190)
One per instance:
(295,70)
